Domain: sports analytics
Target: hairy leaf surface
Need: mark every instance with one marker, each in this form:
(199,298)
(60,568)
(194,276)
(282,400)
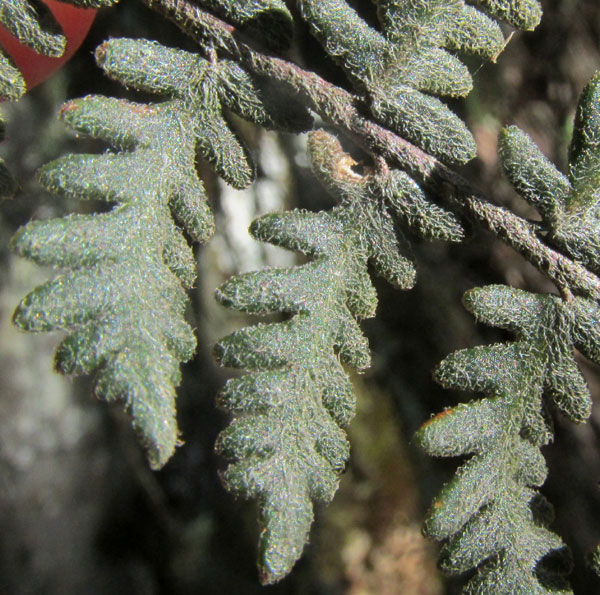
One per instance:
(569,205)
(414,58)
(289,411)
(120,293)
(488,516)
(8,185)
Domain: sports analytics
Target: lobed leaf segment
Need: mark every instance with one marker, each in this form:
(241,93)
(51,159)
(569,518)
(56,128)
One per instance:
(120,294)
(568,204)
(286,437)
(414,59)
(490,515)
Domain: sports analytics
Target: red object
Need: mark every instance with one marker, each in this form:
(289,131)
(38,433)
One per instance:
(36,68)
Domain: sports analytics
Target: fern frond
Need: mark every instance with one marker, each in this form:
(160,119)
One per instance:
(489,515)
(569,205)
(286,434)
(413,58)
(121,294)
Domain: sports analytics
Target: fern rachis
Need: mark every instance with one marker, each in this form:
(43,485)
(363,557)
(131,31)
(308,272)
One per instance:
(287,438)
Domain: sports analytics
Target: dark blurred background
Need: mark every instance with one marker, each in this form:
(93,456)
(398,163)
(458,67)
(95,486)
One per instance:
(80,511)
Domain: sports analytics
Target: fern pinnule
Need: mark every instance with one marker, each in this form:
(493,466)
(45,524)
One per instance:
(416,211)
(12,83)
(524,14)
(568,204)
(23,20)
(121,294)
(400,69)
(488,515)
(285,436)
(262,102)
(269,21)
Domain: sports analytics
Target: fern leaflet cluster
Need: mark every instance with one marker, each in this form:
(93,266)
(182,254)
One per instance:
(120,290)
(121,295)
(404,67)
(289,411)
(490,515)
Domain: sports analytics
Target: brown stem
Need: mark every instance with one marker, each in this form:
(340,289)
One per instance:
(342,109)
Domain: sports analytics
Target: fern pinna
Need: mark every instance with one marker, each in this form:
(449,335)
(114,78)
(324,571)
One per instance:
(122,295)
(491,511)
(490,514)
(289,411)
(401,68)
